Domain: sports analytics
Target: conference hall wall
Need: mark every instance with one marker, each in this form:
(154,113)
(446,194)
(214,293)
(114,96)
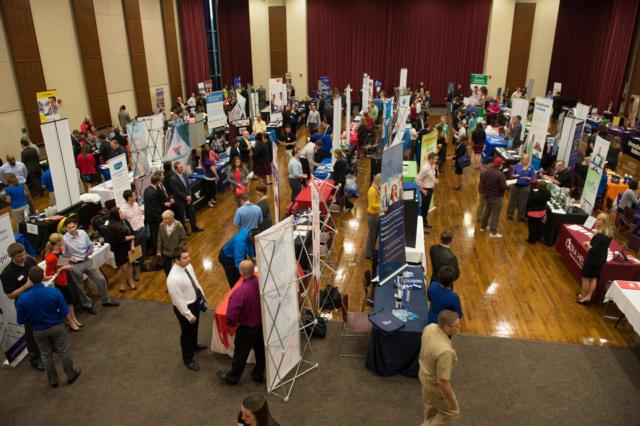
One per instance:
(57,40)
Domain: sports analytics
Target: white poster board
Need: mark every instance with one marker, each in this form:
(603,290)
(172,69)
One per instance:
(520,107)
(62,162)
(582,111)
(276,182)
(215,110)
(594,174)
(530,88)
(365,93)
(276,99)
(279,301)
(403,78)
(557,88)
(401,122)
(538,132)
(337,124)
(347,115)
(12,341)
(119,177)
(315,231)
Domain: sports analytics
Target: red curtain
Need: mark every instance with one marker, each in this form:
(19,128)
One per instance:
(194,43)
(437,41)
(235,41)
(591,47)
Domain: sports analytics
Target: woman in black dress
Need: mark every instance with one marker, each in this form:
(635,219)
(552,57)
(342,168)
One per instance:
(262,159)
(122,240)
(596,258)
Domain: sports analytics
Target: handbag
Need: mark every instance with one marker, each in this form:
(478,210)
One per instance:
(157,263)
(463,161)
(135,253)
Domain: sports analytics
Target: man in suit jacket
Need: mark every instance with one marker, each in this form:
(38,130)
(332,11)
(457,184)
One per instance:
(441,255)
(31,158)
(156,200)
(183,200)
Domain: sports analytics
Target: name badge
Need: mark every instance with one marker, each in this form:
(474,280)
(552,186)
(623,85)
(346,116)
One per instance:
(21,277)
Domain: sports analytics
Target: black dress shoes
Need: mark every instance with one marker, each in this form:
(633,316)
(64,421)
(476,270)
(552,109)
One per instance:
(75,376)
(37,365)
(196,229)
(258,379)
(192,365)
(199,348)
(110,303)
(53,384)
(91,309)
(222,376)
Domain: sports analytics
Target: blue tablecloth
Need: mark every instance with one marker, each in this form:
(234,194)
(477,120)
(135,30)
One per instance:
(20,238)
(324,170)
(398,353)
(591,125)
(492,142)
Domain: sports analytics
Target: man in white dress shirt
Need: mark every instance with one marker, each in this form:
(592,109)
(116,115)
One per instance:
(187,296)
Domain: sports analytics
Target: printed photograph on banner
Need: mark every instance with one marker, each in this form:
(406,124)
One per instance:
(159,99)
(391,185)
(48,105)
(216,117)
(324,86)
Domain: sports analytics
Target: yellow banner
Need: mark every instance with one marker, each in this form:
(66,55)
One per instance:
(48,106)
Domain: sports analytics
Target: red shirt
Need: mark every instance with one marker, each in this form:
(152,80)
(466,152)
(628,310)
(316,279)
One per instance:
(243,307)
(51,261)
(86,164)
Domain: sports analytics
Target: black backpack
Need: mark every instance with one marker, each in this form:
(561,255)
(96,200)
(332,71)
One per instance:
(330,298)
(320,329)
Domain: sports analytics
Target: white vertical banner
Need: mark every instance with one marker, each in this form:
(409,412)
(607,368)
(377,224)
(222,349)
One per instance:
(12,341)
(403,114)
(530,88)
(582,111)
(337,124)
(276,258)
(403,78)
(315,229)
(365,93)
(594,174)
(520,107)
(119,178)
(215,110)
(276,100)
(276,185)
(347,114)
(62,162)
(557,88)
(538,132)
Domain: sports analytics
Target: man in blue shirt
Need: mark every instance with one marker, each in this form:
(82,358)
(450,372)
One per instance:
(237,249)
(248,215)
(46,309)
(441,295)
(47,182)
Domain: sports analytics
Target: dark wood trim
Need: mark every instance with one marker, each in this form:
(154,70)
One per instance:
(520,49)
(278,41)
(25,55)
(137,55)
(172,52)
(89,43)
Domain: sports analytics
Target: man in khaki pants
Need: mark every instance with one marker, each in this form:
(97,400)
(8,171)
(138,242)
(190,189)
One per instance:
(437,359)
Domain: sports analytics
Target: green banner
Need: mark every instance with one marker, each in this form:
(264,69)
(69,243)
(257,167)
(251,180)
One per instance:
(479,80)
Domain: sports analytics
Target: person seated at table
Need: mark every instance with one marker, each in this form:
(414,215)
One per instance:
(537,210)
(523,172)
(259,126)
(561,176)
(441,295)
(596,258)
(630,197)
(16,196)
(53,252)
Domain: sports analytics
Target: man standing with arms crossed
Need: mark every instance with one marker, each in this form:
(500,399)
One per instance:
(437,359)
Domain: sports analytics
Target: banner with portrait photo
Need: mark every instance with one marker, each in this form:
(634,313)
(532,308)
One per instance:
(594,174)
(324,86)
(537,137)
(392,243)
(277,101)
(48,106)
(216,117)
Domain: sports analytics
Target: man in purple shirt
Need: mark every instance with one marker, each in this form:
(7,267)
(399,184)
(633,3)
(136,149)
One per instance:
(243,311)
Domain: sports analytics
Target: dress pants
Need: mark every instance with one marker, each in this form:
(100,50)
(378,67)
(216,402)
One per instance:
(141,240)
(54,339)
(184,212)
(373,220)
(167,264)
(536,229)
(436,406)
(86,268)
(188,331)
(230,270)
(518,199)
(491,214)
(424,205)
(481,202)
(247,338)
(153,228)
(32,346)
(296,187)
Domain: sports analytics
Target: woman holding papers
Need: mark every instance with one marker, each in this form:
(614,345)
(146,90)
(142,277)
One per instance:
(57,266)
(596,258)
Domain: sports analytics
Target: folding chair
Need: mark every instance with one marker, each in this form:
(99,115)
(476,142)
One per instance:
(354,324)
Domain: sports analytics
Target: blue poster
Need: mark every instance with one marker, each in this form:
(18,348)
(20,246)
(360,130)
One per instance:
(386,117)
(575,144)
(237,81)
(392,244)
(324,86)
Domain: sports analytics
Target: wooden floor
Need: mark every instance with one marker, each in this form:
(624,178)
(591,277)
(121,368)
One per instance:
(508,287)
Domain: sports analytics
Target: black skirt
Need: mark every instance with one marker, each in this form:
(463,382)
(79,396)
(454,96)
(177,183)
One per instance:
(68,292)
(591,271)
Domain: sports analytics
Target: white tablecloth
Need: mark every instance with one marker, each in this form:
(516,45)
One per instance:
(105,190)
(416,254)
(628,301)
(101,256)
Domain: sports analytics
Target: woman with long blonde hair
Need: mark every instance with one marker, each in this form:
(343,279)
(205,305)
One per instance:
(596,257)
(373,215)
(53,252)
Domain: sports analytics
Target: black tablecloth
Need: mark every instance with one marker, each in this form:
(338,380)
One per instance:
(555,221)
(398,353)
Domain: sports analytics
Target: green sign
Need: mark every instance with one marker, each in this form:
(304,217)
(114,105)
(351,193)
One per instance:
(479,80)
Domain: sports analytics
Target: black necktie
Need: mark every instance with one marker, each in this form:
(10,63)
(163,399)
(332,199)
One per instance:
(199,296)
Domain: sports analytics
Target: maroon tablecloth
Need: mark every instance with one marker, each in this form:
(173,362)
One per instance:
(569,245)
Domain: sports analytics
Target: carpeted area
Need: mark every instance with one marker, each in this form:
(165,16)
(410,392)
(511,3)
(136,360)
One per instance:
(137,377)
